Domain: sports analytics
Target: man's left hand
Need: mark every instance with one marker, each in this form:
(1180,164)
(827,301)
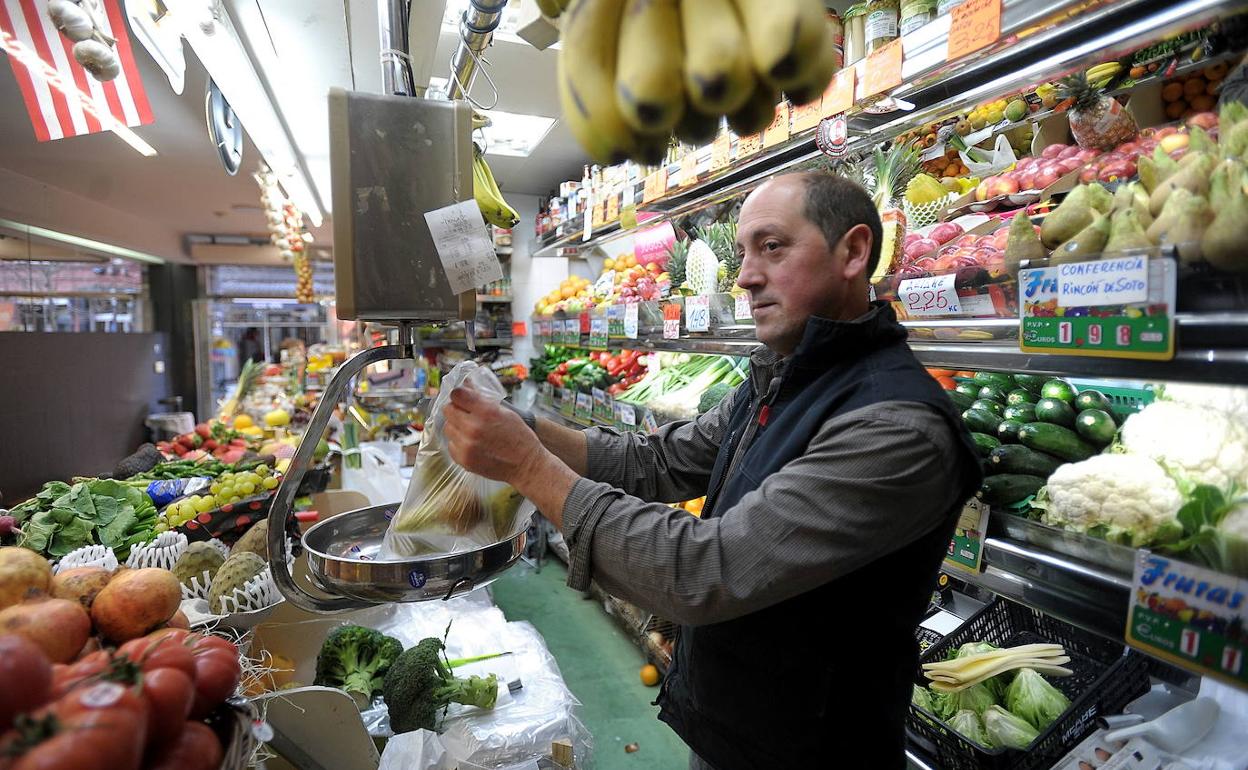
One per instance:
(487,438)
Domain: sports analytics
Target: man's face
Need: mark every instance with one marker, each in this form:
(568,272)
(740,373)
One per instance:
(789,268)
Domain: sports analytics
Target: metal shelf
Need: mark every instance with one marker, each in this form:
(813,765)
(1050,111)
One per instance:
(491,298)
(482,342)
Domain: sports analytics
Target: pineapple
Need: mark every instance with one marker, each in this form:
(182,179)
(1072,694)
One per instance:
(1097,121)
(702,268)
(893,171)
(677,259)
(721,237)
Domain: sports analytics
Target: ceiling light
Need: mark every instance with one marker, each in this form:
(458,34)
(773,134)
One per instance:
(157,31)
(85,243)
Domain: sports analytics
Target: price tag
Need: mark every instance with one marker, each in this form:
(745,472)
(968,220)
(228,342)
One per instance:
(697,313)
(688,170)
(721,151)
(966,549)
(741,310)
(655,187)
(840,94)
(598,333)
(605,284)
(749,145)
(600,401)
(973,25)
(584,406)
(778,131)
(615,320)
(671,321)
(1121,281)
(649,423)
(628,415)
(805,117)
(567,401)
(572,331)
(600,214)
(630,320)
(934,296)
(613,208)
(883,69)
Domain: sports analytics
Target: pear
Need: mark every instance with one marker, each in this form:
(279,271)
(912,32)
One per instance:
(1139,201)
(1194,177)
(1191,217)
(1165,220)
(1022,244)
(1165,164)
(1126,232)
(1150,175)
(1235,141)
(1074,214)
(1101,198)
(1200,141)
(1086,245)
(1232,113)
(1228,174)
(1223,241)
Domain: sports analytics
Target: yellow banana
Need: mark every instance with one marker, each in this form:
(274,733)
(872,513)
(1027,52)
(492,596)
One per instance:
(719,73)
(549,8)
(1104,69)
(697,128)
(815,81)
(757,113)
(648,70)
(587,80)
(489,199)
(785,37)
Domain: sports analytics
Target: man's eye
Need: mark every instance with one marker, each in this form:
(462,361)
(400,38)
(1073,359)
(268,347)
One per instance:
(771,245)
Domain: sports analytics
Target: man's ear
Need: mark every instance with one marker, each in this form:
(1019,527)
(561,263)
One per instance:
(857,243)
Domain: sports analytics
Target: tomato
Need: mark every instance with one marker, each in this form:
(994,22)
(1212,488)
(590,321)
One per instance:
(197,748)
(169,693)
(948,383)
(217,672)
(160,652)
(68,677)
(25,678)
(102,726)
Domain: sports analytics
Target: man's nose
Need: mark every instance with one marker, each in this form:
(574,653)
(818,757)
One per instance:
(749,277)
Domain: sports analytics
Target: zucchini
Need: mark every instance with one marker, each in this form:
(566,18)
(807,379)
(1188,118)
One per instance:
(1020,412)
(981,421)
(993,393)
(1030,382)
(1016,458)
(1009,488)
(1059,389)
(989,406)
(1055,411)
(1093,399)
(1020,396)
(999,379)
(961,400)
(1008,430)
(984,444)
(1055,440)
(968,389)
(1097,426)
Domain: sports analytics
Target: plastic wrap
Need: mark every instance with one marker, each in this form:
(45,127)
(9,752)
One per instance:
(447,509)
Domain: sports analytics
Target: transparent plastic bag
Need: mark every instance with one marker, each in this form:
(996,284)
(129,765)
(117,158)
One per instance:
(446,508)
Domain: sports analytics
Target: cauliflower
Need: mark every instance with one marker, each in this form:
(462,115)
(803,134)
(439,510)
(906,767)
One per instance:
(1127,499)
(1230,400)
(1232,540)
(1196,444)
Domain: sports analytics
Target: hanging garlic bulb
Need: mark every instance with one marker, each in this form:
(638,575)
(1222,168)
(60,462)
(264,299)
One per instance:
(71,20)
(98,59)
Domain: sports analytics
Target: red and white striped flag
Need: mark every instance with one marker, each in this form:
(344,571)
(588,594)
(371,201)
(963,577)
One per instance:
(61,98)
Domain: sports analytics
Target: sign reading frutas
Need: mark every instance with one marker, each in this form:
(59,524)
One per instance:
(464,246)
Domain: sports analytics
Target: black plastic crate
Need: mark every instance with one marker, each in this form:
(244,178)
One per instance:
(1104,681)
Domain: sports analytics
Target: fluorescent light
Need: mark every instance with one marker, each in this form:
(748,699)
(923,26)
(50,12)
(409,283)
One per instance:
(511,134)
(38,68)
(86,243)
(158,33)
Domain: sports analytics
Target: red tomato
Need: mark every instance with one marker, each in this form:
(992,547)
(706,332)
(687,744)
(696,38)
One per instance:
(217,672)
(102,726)
(169,693)
(948,383)
(197,748)
(25,678)
(68,677)
(161,652)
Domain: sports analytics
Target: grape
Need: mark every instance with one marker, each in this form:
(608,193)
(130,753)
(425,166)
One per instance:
(248,488)
(215,488)
(263,470)
(161,527)
(270,482)
(204,504)
(235,499)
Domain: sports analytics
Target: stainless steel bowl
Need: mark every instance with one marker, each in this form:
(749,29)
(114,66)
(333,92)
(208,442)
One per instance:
(345,559)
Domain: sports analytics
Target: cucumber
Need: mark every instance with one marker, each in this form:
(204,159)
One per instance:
(1097,426)
(981,421)
(993,393)
(1059,389)
(1030,382)
(989,406)
(1055,411)
(1020,412)
(1009,488)
(1055,440)
(960,400)
(1093,399)
(968,389)
(1020,396)
(1008,430)
(1015,458)
(999,379)
(984,444)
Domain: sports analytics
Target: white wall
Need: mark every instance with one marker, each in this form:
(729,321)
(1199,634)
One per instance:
(530,278)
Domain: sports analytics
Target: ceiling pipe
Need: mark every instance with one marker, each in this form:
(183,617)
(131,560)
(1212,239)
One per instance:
(476,30)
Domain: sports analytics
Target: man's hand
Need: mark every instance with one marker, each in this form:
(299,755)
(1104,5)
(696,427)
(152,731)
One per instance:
(489,439)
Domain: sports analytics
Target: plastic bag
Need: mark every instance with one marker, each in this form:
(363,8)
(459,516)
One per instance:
(378,477)
(447,509)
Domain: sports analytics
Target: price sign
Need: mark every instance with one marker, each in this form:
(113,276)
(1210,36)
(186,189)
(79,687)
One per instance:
(933,296)
(688,170)
(630,320)
(649,423)
(613,208)
(600,404)
(840,94)
(655,187)
(721,151)
(543,330)
(973,25)
(883,69)
(805,117)
(628,415)
(584,319)
(567,401)
(598,333)
(697,314)
(741,310)
(572,331)
(778,131)
(615,320)
(584,407)
(671,321)
(600,214)
(966,549)
(749,145)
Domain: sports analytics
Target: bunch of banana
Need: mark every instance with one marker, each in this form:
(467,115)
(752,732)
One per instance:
(633,72)
(1103,74)
(551,9)
(489,199)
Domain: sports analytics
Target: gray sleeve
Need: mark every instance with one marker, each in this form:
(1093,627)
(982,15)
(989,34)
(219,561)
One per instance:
(670,465)
(870,482)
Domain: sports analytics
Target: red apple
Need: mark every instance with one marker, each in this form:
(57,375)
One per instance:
(1206,120)
(1052,151)
(920,247)
(1088,175)
(1001,237)
(1165,131)
(981,191)
(1003,186)
(1027,180)
(1088,154)
(1070,164)
(925,263)
(945,232)
(909,239)
(1069,152)
(982,255)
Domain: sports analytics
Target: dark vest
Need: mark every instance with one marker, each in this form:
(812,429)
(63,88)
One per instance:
(821,680)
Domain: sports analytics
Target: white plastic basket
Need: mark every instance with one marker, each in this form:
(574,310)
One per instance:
(162,553)
(88,556)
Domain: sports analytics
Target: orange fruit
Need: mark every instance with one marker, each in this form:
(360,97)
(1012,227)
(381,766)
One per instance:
(567,292)
(631,260)
(608,264)
(649,675)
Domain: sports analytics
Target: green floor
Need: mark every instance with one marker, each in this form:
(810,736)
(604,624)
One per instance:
(600,665)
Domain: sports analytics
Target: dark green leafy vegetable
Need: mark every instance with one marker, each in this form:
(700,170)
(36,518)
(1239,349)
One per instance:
(64,518)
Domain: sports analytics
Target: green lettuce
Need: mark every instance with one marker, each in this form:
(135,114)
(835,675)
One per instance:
(1032,698)
(967,724)
(1006,729)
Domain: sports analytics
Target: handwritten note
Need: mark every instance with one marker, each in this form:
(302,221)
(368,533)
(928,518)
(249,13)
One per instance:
(973,25)
(932,296)
(464,246)
(1122,281)
(655,187)
(613,207)
(840,94)
(741,310)
(805,117)
(749,145)
(778,131)
(883,69)
(721,151)
(688,170)
(698,313)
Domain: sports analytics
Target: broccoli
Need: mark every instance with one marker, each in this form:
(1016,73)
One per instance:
(712,396)
(356,659)
(421,685)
